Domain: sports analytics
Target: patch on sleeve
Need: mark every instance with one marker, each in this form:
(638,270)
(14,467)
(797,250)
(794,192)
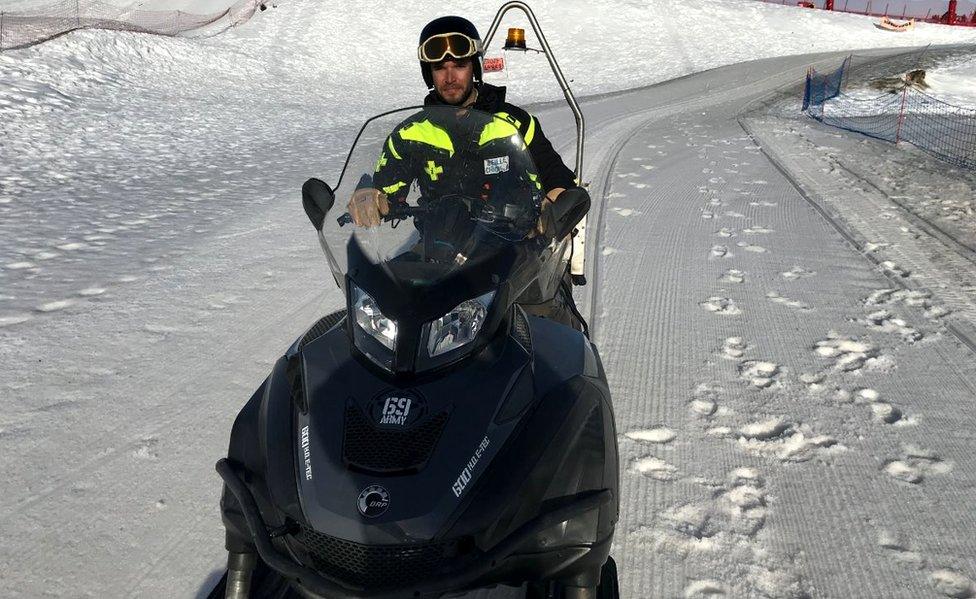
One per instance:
(493,166)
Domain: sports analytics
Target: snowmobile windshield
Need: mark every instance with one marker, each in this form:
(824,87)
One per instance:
(452,189)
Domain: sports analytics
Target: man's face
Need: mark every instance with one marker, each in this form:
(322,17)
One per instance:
(453,79)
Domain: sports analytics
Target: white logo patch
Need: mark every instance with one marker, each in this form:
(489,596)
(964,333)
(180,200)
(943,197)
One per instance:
(493,166)
(307,454)
(396,410)
(465,477)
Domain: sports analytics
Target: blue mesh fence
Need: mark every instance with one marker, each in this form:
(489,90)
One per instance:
(23,28)
(910,115)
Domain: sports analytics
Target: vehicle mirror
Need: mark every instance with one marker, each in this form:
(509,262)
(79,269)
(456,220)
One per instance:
(562,216)
(317,199)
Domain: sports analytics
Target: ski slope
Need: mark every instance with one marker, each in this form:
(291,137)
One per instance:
(781,437)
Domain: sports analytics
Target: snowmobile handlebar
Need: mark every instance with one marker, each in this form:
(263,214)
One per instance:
(397,212)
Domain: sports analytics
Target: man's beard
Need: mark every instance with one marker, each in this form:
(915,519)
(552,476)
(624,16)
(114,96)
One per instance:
(464,96)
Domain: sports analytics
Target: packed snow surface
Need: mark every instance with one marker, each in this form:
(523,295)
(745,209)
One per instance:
(795,420)
(955,81)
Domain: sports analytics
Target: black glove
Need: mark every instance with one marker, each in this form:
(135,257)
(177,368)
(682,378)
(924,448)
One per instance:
(561,216)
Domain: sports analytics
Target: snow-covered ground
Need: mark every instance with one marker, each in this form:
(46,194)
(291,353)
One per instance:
(154,261)
(954,82)
(951,80)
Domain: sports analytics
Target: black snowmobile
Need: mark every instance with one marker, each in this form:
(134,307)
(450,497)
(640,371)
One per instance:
(431,438)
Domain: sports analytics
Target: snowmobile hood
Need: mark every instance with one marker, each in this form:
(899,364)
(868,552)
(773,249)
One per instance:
(381,464)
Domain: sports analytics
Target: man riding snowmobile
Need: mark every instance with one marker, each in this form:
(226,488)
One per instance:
(450,53)
(431,438)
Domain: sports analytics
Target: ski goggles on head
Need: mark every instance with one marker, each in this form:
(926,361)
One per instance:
(437,47)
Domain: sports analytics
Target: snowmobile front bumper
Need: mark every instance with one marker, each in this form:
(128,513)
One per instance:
(458,579)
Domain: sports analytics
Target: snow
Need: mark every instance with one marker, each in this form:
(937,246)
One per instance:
(954,82)
(772,386)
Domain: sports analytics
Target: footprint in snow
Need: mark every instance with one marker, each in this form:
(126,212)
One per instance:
(733,276)
(734,214)
(655,468)
(786,441)
(899,549)
(607,251)
(707,214)
(882,411)
(70,247)
(888,414)
(734,348)
(705,589)
(720,305)
(759,230)
(759,373)
(19,265)
(756,249)
(8,321)
(871,246)
(705,399)
(947,582)
(953,584)
(55,306)
(915,464)
(765,430)
(763,204)
(146,449)
(891,269)
(659,434)
(885,321)
(624,211)
(720,251)
(776,298)
(638,185)
(725,232)
(909,297)
(726,521)
(797,272)
(848,355)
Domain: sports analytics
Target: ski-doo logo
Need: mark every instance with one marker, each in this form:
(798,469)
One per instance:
(374,501)
(465,476)
(398,409)
(307,453)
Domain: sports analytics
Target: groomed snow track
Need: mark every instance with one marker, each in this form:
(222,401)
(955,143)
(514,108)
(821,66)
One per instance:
(788,428)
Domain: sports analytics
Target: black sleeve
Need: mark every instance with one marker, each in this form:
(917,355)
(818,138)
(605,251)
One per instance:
(552,171)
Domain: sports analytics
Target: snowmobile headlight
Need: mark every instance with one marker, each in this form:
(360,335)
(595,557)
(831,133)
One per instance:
(371,320)
(579,530)
(458,327)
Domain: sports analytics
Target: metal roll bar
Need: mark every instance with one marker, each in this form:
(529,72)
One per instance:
(574,106)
